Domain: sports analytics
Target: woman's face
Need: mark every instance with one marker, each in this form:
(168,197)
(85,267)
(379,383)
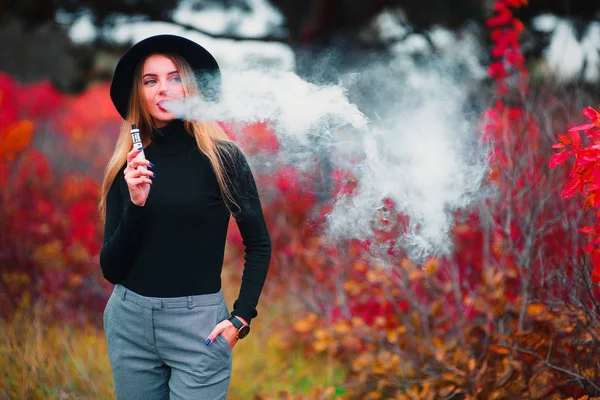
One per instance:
(160,82)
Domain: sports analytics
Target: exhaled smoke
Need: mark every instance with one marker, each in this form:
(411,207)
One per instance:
(422,155)
(419,149)
(295,108)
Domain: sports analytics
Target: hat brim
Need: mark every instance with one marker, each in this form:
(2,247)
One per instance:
(203,64)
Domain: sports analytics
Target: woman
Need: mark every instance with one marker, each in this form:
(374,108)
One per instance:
(169,331)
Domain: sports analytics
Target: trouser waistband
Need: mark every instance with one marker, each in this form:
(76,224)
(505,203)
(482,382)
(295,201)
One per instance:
(155,303)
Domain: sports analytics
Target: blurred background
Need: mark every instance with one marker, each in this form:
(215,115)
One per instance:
(426,239)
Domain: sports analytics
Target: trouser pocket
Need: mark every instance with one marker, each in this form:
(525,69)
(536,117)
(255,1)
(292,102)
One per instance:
(222,315)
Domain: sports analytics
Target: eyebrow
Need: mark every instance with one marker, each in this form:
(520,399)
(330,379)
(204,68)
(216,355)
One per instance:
(152,74)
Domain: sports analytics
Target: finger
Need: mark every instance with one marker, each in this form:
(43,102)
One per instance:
(132,154)
(136,173)
(139,181)
(215,332)
(136,162)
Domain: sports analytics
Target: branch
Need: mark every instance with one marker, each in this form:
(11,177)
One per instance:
(265,39)
(553,366)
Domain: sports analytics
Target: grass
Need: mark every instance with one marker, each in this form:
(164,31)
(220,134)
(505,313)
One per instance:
(261,366)
(54,361)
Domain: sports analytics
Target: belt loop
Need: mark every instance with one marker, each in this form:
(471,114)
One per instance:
(190,302)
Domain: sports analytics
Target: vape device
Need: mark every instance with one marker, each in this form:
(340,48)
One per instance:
(137,144)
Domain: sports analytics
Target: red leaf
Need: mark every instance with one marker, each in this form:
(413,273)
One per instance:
(497,34)
(591,189)
(584,161)
(498,5)
(585,229)
(576,139)
(515,58)
(518,25)
(596,175)
(589,247)
(596,275)
(596,264)
(496,70)
(571,188)
(593,134)
(591,114)
(504,17)
(558,145)
(559,158)
(583,127)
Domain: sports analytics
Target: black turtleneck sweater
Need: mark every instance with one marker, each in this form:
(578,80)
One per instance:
(174,245)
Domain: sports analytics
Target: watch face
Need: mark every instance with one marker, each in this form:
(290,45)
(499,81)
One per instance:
(243,332)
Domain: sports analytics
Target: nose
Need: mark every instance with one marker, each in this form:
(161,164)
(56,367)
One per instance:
(163,86)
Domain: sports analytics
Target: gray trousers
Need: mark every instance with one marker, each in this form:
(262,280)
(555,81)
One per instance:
(156,346)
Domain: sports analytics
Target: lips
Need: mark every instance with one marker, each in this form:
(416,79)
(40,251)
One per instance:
(160,107)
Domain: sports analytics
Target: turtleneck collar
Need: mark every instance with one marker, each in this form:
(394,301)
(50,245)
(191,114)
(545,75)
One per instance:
(172,138)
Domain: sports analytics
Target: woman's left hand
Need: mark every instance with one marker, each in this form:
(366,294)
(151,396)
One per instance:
(227,330)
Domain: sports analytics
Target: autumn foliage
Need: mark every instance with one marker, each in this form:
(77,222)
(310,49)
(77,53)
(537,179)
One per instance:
(48,222)
(512,313)
(584,177)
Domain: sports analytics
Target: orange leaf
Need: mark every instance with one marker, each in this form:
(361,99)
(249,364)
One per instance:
(471,364)
(306,324)
(590,201)
(15,138)
(499,349)
(596,201)
(564,139)
(535,309)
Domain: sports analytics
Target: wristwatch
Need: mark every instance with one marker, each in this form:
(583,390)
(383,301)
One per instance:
(243,329)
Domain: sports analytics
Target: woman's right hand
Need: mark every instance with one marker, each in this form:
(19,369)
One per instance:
(138,179)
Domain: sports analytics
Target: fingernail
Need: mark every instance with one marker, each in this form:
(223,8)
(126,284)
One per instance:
(207,342)
(152,165)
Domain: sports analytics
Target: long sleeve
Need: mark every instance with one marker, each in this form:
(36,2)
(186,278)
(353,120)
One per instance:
(255,238)
(121,232)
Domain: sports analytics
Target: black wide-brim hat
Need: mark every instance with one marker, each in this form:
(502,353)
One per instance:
(203,64)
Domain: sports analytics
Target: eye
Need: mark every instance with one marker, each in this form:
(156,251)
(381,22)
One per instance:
(149,81)
(176,79)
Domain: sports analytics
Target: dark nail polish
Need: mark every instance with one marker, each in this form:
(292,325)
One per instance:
(152,165)
(207,342)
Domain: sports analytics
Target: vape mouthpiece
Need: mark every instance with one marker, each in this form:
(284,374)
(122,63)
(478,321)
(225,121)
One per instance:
(133,126)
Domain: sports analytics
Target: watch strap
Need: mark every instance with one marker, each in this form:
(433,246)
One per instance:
(236,322)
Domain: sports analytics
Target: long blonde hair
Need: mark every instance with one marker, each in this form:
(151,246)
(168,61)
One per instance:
(210,137)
